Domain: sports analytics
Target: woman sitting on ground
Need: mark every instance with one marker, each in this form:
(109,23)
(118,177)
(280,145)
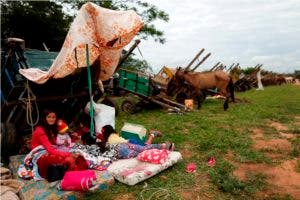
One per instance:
(122,149)
(45,134)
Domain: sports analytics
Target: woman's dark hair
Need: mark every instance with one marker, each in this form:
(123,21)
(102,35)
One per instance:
(107,130)
(49,129)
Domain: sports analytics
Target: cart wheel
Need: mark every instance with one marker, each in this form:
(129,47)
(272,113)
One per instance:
(111,102)
(129,106)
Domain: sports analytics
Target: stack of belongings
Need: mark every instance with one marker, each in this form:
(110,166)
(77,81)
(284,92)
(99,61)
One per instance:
(10,188)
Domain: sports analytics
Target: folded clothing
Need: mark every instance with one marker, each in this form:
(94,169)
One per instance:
(10,188)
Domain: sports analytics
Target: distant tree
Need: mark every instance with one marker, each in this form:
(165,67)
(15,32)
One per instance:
(35,22)
(297,74)
(137,64)
(248,70)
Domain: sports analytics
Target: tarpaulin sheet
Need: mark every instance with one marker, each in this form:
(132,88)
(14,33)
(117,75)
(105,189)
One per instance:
(105,31)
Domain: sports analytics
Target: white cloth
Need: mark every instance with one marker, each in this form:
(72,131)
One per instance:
(103,115)
(61,138)
(259,83)
(105,31)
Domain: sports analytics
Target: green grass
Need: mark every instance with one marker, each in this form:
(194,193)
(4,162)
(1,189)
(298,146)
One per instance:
(213,132)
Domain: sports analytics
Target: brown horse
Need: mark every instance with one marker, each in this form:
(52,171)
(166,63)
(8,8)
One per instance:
(200,83)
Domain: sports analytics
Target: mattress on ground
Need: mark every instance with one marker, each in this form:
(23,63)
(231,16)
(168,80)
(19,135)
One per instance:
(132,171)
(42,190)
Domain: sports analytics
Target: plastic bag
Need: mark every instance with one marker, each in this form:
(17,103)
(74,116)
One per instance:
(103,115)
(78,180)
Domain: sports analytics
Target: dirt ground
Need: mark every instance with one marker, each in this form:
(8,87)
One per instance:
(281,175)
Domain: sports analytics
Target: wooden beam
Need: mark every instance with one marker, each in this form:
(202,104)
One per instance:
(195,58)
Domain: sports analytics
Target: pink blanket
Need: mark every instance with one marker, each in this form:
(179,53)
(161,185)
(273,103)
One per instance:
(105,31)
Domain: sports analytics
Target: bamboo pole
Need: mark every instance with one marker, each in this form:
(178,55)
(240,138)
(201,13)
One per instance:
(214,66)
(207,55)
(195,58)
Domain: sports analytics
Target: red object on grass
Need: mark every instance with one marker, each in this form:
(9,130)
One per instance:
(191,167)
(211,162)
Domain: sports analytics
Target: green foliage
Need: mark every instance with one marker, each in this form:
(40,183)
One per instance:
(136,65)
(221,176)
(248,70)
(36,22)
(297,74)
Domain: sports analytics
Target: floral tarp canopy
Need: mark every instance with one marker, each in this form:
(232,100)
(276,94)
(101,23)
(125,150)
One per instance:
(105,31)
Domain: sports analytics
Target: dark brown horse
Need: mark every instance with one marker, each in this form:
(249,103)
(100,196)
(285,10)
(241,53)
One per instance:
(199,83)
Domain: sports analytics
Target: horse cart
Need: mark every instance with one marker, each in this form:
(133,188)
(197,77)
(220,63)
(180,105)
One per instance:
(187,84)
(32,79)
(148,91)
(22,100)
(180,93)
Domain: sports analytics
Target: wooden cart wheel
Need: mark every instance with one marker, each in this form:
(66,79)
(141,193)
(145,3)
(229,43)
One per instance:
(111,102)
(129,106)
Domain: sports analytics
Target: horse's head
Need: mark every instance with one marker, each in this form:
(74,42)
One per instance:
(171,87)
(175,83)
(179,73)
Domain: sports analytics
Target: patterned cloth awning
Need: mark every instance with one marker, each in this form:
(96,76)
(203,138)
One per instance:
(105,31)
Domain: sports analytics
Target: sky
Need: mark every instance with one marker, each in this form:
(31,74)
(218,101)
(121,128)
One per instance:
(247,32)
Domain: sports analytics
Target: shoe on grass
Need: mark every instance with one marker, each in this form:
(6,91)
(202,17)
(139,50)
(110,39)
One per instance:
(170,146)
(155,133)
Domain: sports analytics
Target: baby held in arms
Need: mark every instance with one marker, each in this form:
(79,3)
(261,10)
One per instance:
(63,139)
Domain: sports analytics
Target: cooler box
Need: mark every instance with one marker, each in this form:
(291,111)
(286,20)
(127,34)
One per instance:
(134,132)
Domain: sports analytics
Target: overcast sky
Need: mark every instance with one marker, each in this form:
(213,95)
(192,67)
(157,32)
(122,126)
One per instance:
(234,31)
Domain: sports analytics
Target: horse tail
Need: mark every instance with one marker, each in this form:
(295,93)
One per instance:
(230,88)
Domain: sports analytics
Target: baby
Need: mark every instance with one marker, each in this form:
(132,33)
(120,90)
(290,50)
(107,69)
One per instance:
(63,140)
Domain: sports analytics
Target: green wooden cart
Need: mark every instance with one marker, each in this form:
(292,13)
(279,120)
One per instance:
(146,89)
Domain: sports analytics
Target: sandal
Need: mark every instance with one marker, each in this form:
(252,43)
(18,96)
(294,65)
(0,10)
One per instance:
(155,133)
(170,146)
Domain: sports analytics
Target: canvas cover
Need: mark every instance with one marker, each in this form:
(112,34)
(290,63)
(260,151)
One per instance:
(105,31)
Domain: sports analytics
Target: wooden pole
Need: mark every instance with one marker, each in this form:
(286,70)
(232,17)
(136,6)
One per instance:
(195,58)
(123,58)
(229,69)
(214,66)
(207,55)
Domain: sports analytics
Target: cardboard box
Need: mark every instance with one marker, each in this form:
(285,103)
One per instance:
(134,132)
(189,104)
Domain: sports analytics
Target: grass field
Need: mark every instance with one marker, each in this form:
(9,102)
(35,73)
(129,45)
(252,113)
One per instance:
(244,137)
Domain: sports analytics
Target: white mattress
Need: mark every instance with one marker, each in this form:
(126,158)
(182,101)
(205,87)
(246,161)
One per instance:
(132,171)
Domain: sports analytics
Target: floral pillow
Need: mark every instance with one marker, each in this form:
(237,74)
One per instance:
(156,156)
